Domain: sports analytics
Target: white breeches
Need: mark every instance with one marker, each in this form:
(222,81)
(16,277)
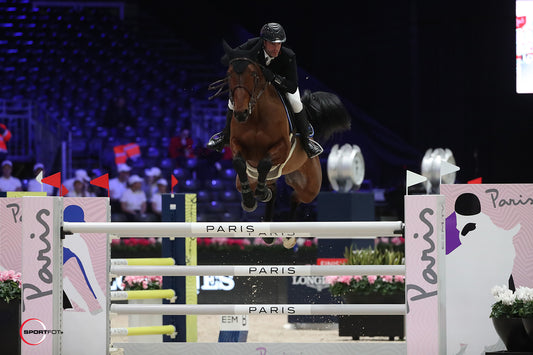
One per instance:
(294,100)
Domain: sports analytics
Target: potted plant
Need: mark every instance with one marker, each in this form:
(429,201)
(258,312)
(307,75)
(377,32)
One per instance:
(10,295)
(507,313)
(135,283)
(376,289)
(525,294)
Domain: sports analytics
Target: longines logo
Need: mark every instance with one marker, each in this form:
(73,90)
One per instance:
(316,282)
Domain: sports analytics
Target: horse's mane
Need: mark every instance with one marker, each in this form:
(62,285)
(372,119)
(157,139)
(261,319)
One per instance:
(326,113)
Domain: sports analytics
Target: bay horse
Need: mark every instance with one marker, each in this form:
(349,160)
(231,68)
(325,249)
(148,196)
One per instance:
(261,141)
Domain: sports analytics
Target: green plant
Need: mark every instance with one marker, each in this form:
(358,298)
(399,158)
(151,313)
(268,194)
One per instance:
(369,284)
(370,256)
(509,304)
(10,286)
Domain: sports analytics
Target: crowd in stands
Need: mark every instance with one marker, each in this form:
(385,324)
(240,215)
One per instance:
(111,91)
(133,198)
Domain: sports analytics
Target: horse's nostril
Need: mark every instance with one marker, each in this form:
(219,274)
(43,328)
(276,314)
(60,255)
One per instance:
(241,116)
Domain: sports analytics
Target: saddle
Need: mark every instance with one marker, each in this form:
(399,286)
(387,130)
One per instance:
(291,118)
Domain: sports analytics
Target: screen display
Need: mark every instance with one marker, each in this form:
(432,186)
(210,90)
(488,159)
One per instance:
(524,46)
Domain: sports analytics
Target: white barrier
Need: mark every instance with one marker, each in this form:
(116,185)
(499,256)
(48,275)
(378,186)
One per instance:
(262,309)
(331,230)
(421,296)
(259,270)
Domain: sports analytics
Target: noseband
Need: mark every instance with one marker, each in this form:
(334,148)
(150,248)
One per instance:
(256,92)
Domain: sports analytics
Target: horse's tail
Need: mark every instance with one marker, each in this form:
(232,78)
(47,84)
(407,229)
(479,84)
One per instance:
(326,113)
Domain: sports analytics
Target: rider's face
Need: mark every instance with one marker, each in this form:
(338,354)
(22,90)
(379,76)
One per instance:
(272,49)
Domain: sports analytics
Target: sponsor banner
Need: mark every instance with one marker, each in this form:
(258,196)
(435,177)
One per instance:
(424,227)
(270,270)
(489,242)
(85,279)
(10,234)
(234,322)
(272,309)
(40,281)
(330,261)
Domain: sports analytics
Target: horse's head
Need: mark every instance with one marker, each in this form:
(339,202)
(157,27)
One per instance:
(245,80)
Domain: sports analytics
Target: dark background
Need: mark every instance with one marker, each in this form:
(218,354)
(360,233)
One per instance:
(426,74)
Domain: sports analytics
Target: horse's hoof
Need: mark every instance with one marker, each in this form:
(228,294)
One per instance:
(249,209)
(268,240)
(289,242)
(265,196)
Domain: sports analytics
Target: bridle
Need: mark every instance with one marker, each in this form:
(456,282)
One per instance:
(256,92)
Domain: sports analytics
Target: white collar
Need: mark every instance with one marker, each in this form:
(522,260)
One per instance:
(268,58)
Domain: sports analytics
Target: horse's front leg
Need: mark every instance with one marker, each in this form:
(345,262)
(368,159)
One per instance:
(249,203)
(262,192)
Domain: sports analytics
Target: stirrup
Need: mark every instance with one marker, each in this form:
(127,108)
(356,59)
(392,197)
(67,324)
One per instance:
(313,149)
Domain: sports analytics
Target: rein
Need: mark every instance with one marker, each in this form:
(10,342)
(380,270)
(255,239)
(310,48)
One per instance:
(254,95)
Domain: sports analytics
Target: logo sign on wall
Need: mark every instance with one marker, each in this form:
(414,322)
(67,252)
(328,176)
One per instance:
(489,242)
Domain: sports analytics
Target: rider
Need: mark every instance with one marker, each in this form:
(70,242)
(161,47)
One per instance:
(280,69)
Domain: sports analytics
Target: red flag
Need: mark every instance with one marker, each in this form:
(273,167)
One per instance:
(132,150)
(53,180)
(173,183)
(475,181)
(120,155)
(102,181)
(63,191)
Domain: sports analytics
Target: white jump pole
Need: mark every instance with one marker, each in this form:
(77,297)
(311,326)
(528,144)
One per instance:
(330,230)
(259,270)
(261,309)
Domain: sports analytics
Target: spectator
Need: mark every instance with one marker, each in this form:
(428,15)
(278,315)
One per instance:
(96,190)
(79,174)
(162,187)
(150,183)
(117,186)
(5,136)
(80,189)
(8,182)
(181,148)
(133,200)
(34,185)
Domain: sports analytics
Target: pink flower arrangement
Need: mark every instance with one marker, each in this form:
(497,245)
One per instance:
(10,286)
(142,283)
(369,284)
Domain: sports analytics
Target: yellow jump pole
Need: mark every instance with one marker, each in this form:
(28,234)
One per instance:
(144,261)
(143,294)
(153,330)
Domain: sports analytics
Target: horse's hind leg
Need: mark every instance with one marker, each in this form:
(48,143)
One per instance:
(248,203)
(262,191)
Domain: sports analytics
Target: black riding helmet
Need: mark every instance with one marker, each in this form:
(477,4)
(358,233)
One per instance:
(273,32)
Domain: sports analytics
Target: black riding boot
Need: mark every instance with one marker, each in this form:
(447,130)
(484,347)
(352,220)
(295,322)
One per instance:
(221,139)
(311,147)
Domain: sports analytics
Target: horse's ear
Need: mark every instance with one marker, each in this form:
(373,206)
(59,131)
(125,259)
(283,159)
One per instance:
(227,49)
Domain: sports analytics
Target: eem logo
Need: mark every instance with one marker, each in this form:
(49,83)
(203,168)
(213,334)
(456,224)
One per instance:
(34,332)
